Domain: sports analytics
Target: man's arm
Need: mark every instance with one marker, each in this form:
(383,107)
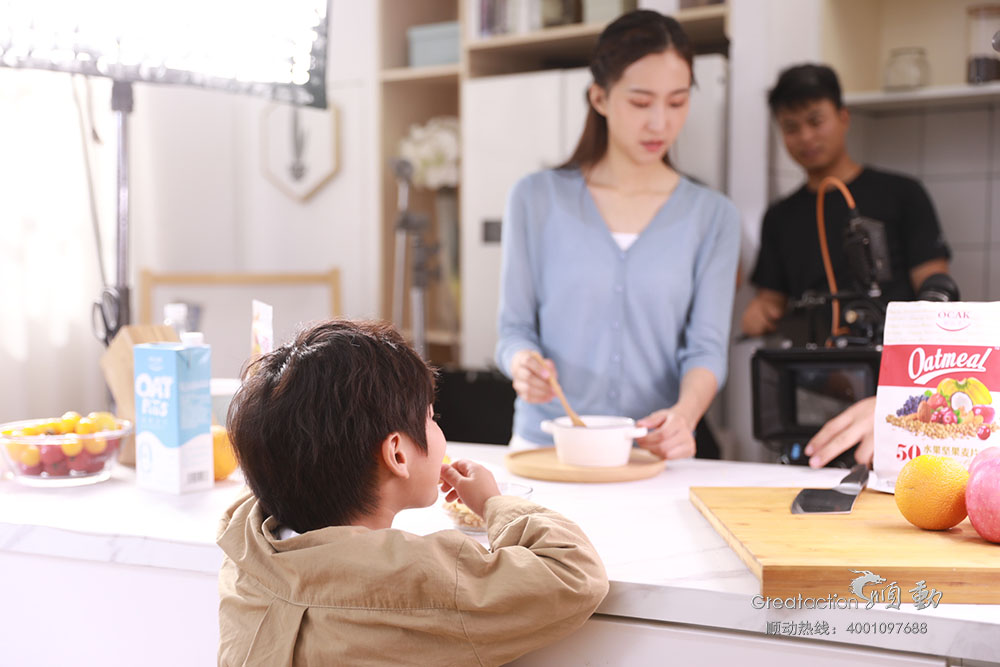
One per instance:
(922,272)
(763,312)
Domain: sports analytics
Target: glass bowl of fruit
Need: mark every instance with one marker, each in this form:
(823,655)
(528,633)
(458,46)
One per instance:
(68,451)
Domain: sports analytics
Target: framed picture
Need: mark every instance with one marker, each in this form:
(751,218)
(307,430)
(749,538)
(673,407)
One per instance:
(300,148)
(223,305)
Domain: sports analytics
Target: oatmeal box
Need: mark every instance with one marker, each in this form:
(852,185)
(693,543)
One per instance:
(939,377)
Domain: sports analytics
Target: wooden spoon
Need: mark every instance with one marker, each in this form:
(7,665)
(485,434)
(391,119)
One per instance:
(573,417)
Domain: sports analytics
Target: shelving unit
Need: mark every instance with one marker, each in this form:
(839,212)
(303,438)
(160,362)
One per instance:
(568,46)
(410,95)
(936,96)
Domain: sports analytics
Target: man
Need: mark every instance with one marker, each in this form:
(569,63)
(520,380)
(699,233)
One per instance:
(807,105)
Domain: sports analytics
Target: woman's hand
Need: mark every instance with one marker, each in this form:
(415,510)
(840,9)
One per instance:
(853,425)
(531,376)
(671,434)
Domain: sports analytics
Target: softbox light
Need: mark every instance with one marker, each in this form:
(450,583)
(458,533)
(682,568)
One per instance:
(272,48)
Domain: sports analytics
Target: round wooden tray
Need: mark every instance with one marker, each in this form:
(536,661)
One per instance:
(543,464)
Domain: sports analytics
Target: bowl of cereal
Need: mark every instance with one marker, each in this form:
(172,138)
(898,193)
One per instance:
(468,521)
(66,451)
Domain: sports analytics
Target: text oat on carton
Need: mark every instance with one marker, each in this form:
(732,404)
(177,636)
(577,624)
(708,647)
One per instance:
(938,384)
(173,417)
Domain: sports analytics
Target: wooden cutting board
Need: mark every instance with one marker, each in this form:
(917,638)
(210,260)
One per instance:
(814,555)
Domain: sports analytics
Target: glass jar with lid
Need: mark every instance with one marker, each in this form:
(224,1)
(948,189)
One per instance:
(906,69)
(983,23)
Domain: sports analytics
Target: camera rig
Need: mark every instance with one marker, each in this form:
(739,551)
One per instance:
(796,389)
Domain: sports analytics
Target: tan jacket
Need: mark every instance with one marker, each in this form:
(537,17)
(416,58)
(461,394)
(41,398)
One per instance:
(347,595)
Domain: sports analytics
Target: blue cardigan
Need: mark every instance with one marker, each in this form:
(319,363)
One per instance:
(623,327)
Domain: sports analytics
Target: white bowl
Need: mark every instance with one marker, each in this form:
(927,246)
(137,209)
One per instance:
(605,441)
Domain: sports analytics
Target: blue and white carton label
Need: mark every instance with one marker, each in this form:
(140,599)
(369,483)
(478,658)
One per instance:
(173,417)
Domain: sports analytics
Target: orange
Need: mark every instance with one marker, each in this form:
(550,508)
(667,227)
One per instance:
(930,492)
(223,456)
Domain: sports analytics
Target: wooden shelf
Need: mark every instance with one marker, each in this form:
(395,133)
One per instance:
(936,96)
(432,74)
(571,45)
(436,336)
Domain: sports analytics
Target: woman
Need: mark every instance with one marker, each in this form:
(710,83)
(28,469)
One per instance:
(618,270)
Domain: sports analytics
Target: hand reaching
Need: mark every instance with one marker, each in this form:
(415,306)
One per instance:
(468,482)
(671,435)
(853,425)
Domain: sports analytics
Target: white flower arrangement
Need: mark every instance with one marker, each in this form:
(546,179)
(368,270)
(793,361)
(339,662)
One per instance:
(433,150)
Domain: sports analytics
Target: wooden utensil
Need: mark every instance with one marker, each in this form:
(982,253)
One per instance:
(573,417)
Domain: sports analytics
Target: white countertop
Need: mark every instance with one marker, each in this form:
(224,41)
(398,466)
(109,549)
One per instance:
(664,560)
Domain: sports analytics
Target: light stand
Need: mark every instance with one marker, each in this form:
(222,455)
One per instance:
(116,299)
(265,49)
(410,227)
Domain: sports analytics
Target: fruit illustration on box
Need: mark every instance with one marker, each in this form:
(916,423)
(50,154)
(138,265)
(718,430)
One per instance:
(955,409)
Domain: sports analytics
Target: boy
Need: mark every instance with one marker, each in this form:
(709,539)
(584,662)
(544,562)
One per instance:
(335,435)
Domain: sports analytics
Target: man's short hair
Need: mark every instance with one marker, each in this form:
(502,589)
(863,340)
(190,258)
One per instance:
(308,422)
(802,84)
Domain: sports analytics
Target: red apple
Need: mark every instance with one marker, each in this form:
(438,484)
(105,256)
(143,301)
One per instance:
(982,499)
(984,455)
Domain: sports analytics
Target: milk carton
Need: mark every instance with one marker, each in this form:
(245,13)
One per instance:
(173,417)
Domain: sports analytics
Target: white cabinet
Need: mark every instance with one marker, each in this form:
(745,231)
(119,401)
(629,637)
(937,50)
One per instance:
(511,126)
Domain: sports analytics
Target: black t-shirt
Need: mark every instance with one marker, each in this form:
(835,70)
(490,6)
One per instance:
(790,262)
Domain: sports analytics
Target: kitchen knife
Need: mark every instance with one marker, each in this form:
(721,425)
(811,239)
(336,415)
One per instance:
(838,500)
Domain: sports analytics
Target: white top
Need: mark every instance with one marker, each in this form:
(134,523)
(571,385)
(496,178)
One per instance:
(624,239)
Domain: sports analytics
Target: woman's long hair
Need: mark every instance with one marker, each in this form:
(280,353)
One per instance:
(628,38)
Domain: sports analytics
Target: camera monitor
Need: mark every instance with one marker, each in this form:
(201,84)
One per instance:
(795,392)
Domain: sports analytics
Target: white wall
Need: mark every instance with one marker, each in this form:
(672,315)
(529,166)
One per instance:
(202,203)
(766,36)
(199,202)
(955,152)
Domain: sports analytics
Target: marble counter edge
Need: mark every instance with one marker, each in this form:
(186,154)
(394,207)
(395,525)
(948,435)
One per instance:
(110,548)
(672,603)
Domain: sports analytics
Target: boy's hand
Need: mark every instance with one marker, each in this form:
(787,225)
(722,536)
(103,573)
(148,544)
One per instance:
(469,482)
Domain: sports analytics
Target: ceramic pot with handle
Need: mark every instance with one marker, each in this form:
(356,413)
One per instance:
(605,441)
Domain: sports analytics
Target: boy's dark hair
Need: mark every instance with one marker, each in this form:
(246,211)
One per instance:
(802,84)
(308,422)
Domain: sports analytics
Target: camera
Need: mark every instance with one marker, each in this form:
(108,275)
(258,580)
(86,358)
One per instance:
(819,370)
(797,390)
